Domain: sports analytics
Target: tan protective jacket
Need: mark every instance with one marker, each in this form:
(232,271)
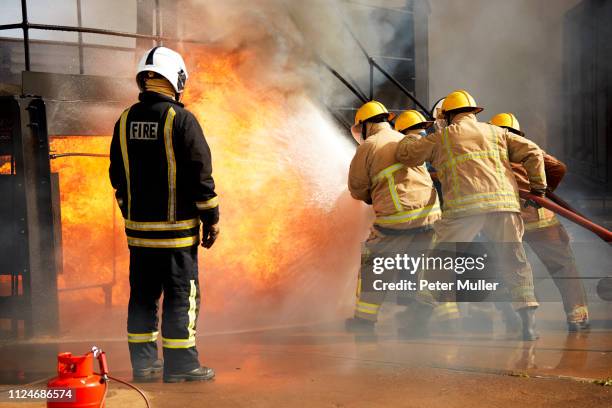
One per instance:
(535,218)
(402,197)
(473,164)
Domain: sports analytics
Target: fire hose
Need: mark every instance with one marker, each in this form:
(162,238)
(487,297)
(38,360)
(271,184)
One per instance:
(557,205)
(555,198)
(567,212)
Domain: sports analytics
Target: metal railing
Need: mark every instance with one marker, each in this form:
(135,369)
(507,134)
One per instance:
(107,287)
(374,66)
(25,25)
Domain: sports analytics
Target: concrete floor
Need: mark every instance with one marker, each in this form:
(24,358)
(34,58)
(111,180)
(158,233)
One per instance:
(321,366)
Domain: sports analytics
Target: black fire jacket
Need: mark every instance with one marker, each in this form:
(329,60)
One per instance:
(160,167)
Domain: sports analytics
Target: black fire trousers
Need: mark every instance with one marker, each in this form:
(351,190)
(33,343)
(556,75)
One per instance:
(173,272)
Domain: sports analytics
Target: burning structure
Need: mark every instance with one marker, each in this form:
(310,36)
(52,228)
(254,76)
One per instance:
(274,95)
(275,85)
(290,231)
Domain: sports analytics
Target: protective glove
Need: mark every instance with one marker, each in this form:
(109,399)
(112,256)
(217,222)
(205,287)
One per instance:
(122,204)
(210,232)
(541,192)
(530,203)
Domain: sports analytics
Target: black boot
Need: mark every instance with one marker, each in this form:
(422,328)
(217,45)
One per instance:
(150,373)
(358,325)
(583,325)
(529,327)
(510,318)
(199,374)
(417,326)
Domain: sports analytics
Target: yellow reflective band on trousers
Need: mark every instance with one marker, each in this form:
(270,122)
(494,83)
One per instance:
(161,225)
(367,308)
(192,309)
(206,205)
(578,314)
(178,343)
(447,311)
(163,242)
(543,222)
(142,337)
(171,165)
(191,313)
(125,157)
(405,216)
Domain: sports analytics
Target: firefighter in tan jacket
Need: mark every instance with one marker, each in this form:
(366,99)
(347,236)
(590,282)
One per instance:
(446,315)
(472,160)
(547,237)
(404,200)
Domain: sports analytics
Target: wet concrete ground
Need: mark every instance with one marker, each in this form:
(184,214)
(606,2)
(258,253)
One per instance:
(321,366)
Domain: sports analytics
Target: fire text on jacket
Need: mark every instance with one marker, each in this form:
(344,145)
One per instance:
(143,131)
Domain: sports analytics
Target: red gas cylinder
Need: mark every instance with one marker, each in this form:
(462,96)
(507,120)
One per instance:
(76,382)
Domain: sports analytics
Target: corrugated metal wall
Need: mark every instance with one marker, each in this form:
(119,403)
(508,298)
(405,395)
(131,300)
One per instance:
(587,76)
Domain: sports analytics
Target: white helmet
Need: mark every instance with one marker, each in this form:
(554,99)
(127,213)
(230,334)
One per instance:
(165,62)
(439,119)
(436,111)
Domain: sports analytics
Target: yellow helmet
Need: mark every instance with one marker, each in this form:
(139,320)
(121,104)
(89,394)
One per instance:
(459,99)
(508,121)
(409,119)
(371,109)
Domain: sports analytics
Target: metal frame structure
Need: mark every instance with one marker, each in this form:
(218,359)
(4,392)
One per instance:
(34,284)
(25,25)
(587,93)
(32,257)
(374,66)
(157,36)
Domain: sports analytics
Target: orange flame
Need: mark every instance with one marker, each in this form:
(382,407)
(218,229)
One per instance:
(286,247)
(5,166)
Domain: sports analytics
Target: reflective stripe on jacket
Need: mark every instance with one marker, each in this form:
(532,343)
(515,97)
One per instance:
(472,160)
(402,197)
(162,173)
(535,218)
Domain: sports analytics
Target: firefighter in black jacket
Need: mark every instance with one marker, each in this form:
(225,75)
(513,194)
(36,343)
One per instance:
(161,171)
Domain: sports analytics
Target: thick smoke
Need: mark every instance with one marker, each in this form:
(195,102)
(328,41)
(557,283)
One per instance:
(292,38)
(285,42)
(290,242)
(508,54)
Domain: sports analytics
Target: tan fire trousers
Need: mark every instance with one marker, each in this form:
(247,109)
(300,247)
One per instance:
(505,230)
(412,242)
(552,247)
